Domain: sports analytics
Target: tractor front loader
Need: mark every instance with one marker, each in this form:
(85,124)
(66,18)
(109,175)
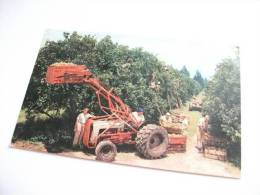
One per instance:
(119,125)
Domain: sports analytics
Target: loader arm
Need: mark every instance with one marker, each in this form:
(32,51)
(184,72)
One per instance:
(61,73)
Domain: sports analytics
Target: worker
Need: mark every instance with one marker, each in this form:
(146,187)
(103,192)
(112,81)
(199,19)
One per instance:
(166,119)
(79,125)
(185,123)
(202,129)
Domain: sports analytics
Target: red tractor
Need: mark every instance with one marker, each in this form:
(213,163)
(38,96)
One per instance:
(119,125)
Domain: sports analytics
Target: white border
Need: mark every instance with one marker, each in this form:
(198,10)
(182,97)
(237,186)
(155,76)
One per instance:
(22,24)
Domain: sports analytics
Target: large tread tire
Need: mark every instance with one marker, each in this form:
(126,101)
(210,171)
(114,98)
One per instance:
(152,141)
(106,151)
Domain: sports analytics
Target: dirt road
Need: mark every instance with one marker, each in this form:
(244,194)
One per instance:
(191,161)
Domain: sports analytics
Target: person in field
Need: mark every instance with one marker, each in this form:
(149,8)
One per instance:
(202,128)
(79,125)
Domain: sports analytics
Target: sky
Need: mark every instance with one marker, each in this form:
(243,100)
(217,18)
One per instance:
(195,54)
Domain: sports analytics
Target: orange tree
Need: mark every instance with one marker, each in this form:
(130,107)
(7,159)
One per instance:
(222,104)
(127,71)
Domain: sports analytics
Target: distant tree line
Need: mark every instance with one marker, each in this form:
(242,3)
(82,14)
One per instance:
(197,77)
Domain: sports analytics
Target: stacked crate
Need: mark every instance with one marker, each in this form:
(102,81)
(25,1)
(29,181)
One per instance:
(175,128)
(177,143)
(214,147)
(215,153)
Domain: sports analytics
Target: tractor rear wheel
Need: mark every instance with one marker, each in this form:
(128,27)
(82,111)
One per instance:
(106,151)
(152,141)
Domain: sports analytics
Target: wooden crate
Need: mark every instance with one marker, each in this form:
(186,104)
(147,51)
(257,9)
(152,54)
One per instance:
(176,129)
(177,143)
(177,148)
(215,153)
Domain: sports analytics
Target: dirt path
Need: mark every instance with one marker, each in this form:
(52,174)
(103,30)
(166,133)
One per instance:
(191,161)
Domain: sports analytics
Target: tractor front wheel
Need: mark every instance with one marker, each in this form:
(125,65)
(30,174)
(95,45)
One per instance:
(106,151)
(152,141)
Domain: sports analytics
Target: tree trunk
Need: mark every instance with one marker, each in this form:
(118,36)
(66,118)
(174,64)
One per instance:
(169,101)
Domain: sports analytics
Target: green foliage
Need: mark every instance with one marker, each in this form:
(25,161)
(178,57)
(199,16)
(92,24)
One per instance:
(127,71)
(205,82)
(45,131)
(184,71)
(223,105)
(197,77)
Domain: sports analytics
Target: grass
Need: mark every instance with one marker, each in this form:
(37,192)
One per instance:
(22,117)
(42,128)
(193,117)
